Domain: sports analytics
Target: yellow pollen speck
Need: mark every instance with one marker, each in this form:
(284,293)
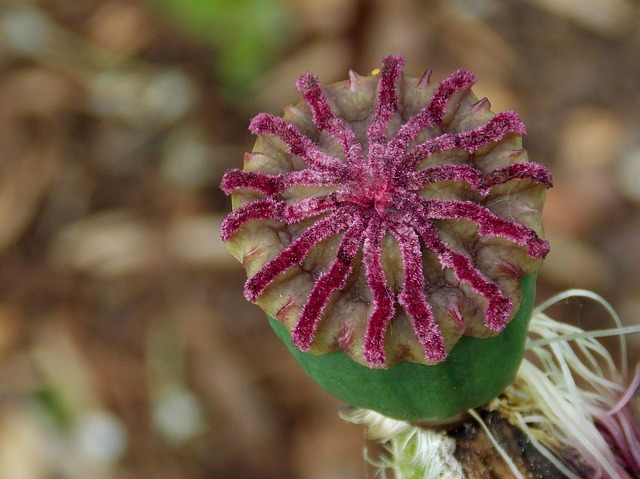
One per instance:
(375,71)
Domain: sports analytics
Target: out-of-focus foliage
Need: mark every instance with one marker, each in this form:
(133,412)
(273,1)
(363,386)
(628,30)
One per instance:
(246,35)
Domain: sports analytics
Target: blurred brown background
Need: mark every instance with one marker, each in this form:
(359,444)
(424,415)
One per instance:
(126,348)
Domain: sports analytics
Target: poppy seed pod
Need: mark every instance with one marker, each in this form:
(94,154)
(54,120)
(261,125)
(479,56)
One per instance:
(391,221)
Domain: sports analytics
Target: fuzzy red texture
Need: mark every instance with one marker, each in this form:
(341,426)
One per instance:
(378,194)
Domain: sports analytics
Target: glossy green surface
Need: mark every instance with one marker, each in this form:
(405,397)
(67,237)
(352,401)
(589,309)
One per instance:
(475,372)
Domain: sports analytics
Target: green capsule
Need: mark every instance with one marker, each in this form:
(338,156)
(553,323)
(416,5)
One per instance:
(476,371)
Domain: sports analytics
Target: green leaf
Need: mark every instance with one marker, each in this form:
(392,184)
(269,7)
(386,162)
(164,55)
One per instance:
(246,35)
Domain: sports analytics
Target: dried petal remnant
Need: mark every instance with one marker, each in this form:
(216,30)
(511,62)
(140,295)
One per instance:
(392,215)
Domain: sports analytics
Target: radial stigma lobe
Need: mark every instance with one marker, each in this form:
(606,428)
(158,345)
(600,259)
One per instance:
(378,194)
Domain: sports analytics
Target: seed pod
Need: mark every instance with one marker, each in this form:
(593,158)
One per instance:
(385,218)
